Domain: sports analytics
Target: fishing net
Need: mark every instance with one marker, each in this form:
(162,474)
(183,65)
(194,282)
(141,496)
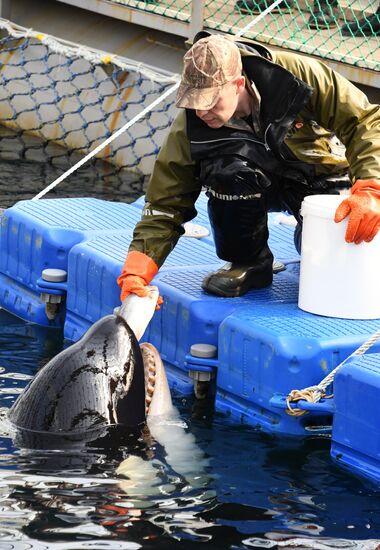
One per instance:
(58,101)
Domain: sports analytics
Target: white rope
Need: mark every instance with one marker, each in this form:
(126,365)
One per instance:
(315,393)
(257,19)
(107,141)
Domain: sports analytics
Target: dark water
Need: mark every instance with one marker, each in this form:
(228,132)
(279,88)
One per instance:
(239,488)
(22,178)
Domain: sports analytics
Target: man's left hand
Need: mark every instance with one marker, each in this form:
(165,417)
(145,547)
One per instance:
(363,209)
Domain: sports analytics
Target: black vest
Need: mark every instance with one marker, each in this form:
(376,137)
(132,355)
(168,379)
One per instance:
(237,163)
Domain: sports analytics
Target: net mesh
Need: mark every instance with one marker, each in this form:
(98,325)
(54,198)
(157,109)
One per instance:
(348,32)
(59,101)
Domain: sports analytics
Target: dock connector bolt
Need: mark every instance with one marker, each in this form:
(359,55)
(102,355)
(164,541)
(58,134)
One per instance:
(201,364)
(52,296)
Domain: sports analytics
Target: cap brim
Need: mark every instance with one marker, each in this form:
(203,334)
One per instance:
(201,99)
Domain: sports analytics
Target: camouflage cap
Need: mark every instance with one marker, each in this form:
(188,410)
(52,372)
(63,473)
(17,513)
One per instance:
(211,63)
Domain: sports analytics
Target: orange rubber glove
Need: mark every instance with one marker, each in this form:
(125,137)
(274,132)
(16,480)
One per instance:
(363,209)
(137,273)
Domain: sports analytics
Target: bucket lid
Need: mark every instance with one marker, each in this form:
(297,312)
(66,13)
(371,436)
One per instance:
(321,205)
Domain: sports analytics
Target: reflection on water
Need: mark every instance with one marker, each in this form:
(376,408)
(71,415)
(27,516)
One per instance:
(237,488)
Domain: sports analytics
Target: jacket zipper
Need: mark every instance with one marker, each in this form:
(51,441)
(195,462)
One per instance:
(265,137)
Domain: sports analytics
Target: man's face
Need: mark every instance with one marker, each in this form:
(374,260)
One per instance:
(225,107)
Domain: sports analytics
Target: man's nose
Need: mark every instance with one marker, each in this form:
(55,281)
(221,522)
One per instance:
(200,113)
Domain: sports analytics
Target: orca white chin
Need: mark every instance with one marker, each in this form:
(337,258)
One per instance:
(138,311)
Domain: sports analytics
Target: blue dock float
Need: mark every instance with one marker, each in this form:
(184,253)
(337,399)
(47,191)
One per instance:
(266,346)
(356,429)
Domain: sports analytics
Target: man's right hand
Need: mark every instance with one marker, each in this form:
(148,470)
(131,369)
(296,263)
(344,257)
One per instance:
(137,273)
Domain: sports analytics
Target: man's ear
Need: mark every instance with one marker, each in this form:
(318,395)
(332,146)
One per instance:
(240,83)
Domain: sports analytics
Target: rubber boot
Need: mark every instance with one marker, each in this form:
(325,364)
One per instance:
(241,234)
(233,280)
(368,26)
(325,14)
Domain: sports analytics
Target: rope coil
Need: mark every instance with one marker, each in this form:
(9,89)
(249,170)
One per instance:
(313,394)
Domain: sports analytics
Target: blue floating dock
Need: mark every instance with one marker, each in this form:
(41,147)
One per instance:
(266,345)
(356,430)
(36,235)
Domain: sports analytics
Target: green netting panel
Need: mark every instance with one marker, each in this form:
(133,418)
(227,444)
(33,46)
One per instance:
(174,9)
(318,28)
(58,101)
(330,29)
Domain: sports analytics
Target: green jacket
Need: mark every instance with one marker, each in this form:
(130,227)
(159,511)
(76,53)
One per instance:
(335,108)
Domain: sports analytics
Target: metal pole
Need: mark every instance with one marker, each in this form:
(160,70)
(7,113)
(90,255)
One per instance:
(197,17)
(5,9)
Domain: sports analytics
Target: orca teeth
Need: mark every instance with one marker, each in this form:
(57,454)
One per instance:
(150,375)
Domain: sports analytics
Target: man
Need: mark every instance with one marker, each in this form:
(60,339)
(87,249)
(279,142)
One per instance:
(368,25)
(258,130)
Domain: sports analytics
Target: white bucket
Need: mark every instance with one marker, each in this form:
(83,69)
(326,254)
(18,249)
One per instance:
(337,279)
